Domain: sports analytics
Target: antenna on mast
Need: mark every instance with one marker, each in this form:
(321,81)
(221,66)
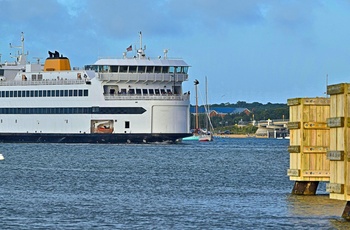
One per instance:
(140,52)
(21,58)
(140,40)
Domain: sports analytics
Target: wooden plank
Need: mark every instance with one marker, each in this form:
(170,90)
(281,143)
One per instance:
(293,101)
(294,148)
(316,101)
(293,125)
(348,122)
(315,149)
(335,89)
(348,189)
(335,188)
(315,125)
(335,155)
(294,160)
(293,172)
(316,173)
(335,122)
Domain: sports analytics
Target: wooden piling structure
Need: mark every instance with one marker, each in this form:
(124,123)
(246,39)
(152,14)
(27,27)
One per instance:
(339,184)
(338,154)
(309,143)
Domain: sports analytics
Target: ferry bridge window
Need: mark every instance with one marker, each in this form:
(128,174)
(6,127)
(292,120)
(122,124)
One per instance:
(131,91)
(86,92)
(7,93)
(40,93)
(157,91)
(27,93)
(141,69)
(33,77)
(144,91)
(40,77)
(49,93)
(138,91)
(61,93)
(162,91)
(127,124)
(80,93)
(15,93)
(123,91)
(178,69)
(75,92)
(149,69)
(66,93)
(52,93)
(123,69)
(151,91)
(70,93)
(168,91)
(185,69)
(2,72)
(2,93)
(165,69)
(114,68)
(132,69)
(19,94)
(171,69)
(157,69)
(105,68)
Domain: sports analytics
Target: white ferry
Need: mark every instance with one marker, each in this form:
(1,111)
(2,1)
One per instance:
(128,100)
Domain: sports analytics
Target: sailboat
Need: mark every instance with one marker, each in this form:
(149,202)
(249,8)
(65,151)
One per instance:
(199,134)
(207,135)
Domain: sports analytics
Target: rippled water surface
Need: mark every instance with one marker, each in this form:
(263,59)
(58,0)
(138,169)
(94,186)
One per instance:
(225,184)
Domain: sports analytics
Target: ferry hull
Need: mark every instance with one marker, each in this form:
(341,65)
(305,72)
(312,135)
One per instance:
(90,138)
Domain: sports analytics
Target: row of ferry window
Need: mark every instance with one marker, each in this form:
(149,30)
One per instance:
(144,91)
(46,93)
(74,110)
(138,69)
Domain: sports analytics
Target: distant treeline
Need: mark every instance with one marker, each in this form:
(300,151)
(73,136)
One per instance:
(258,111)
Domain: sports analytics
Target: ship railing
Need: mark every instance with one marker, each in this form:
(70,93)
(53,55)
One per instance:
(43,82)
(170,97)
(143,77)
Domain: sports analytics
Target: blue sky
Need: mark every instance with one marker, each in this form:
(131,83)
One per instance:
(251,50)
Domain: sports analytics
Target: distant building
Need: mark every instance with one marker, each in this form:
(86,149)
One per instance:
(220,111)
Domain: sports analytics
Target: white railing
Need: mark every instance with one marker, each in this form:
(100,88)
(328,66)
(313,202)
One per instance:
(43,82)
(143,77)
(184,97)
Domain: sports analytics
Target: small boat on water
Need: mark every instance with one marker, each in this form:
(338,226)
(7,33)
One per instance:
(199,134)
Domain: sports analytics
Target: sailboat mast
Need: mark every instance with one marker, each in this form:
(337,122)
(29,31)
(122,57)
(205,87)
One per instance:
(196,82)
(206,104)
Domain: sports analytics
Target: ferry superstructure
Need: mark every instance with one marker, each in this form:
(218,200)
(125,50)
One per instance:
(128,100)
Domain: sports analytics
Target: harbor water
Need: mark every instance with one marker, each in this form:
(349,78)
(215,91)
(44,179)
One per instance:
(225,184)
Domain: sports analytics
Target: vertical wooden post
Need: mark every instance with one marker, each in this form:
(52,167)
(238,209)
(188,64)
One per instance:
(338,152)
